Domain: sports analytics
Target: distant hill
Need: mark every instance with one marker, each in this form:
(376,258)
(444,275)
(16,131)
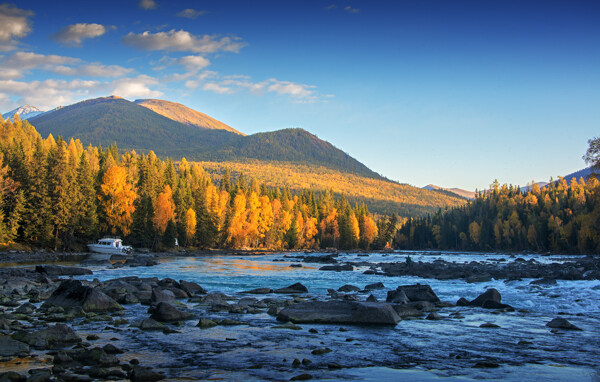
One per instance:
(25,112)
(380,195)
(457,191)
(106,120)
(183,114)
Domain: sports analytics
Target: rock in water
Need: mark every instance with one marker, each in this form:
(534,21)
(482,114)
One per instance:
(373,286)
(348,288)
(397,297)
(490,299)
(295,288)
(561,323)
(60,270)
(72,295)
(56,336)
(419,292)
(166,312)
(10,347)
(340,312)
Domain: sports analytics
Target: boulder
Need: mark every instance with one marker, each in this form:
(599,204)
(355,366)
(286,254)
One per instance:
(419,292)
(150,324)
(374,286)
(340,312)
(259,291)
(141,261)
(72,295)
(337,268)
(162,295)
(561,323)
(371,298)
(60,270)
(396,297)
(292,289)
(140,373)
(166,312)
(348,288)
(191,287)
(206,323)
(462,302)
(546,281)
(490,299)
(11,348)
(53,337)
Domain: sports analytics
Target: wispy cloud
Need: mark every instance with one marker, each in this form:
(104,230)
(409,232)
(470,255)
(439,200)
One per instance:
(211,81)
(148,4)
(74,34)
(92,70)
(16,65)
(349,9)
(190,13)
(14,24)
(182,41)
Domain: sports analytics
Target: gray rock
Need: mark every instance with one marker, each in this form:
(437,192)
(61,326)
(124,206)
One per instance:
(53,337)
(259,291)
(11,348)
(166,312)
(72,295)
(191,287)
(396,297)
(337,268)
(348,288)
(371,298)
(419,292)
(140,373)
(59,270)
(162,295)
(206,323)
(340,312)
(149,324)
(562,323)
(292,289)
(374,286)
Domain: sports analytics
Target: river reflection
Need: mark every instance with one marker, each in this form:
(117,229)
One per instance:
(237,266)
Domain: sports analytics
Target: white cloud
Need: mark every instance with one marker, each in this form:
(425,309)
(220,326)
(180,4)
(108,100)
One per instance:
(290,88)
(216,88)
(190,13)
(14,24)
(193,62)
(349,9)
(182,41)
(74,34)
(93,70)
(147,4)
(138,87)
(46,94)
(17,64)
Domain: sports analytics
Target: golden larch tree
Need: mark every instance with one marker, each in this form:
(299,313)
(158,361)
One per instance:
(117,200)
(164,210)
(190,223)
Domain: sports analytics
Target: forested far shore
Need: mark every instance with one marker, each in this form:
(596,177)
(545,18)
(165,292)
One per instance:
(559,217)
(61,195)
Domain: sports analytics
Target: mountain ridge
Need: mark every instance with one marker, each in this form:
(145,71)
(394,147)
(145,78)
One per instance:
(183,114)
(105,120)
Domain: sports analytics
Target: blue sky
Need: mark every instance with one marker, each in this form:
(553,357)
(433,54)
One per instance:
(455,93)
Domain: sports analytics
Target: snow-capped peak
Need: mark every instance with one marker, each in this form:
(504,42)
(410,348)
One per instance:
(25,112)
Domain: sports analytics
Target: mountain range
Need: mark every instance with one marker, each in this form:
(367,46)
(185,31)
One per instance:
(24,112)
(291,158)
(457,191)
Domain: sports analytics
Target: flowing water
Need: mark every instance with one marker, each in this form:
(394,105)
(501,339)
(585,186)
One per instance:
(417,349)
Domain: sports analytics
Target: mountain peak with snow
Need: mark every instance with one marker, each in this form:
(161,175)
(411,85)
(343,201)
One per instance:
(25,112)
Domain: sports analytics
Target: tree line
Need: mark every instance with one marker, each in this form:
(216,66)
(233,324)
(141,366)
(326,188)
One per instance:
(558,217)
(60,195)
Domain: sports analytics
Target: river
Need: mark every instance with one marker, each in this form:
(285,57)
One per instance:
(522,347)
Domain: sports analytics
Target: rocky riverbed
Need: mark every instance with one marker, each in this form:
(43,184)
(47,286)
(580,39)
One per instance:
(227,317)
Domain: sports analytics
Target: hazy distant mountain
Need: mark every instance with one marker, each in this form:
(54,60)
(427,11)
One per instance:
(108,120)
(584,173)
(25,112)
(183,114)
(457,191)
